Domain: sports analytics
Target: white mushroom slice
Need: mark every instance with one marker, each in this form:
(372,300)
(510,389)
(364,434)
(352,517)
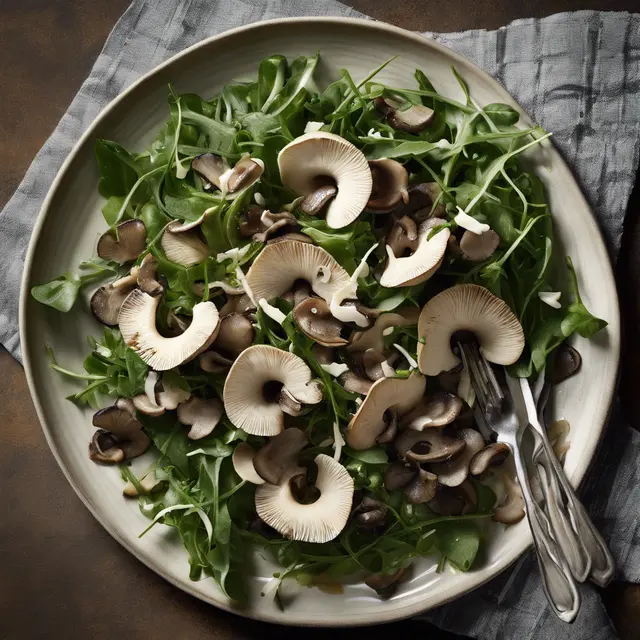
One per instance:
(279,265)
(185,248)
(472,308)
(436,410)
(144,405)
(422,264)
(320,521)
(400,394)
(170,397)
(242,459)
(253,385)
(454,472)
(137,320)
(469,223)
(552,298)
(318,156)
(202,415)
(374,338)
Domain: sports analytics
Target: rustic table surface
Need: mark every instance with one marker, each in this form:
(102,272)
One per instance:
(62,575)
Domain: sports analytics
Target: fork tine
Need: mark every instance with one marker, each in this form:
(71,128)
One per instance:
(484,382)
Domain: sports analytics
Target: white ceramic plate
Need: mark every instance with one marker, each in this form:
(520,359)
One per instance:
(70,223)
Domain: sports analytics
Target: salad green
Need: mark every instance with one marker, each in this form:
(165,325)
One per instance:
(204,194)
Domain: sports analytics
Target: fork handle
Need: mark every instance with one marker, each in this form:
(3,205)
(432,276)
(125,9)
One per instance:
(599,567)
(558,582)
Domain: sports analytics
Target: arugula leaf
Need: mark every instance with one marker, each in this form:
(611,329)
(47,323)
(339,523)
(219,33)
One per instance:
(61,293)
(118,171)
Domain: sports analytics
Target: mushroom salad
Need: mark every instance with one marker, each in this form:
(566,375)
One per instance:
(284,280)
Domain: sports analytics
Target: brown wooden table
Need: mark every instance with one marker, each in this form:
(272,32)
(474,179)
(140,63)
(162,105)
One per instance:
(61,574)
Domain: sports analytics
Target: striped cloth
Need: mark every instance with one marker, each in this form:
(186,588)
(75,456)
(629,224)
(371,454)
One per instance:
(578,75)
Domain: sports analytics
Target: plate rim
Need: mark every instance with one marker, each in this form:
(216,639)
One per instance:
(401,612)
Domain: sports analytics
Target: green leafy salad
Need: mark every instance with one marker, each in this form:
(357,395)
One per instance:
(285,276)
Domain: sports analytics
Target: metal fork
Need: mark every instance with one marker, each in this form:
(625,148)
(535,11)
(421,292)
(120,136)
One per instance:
(586,552)
(499,413)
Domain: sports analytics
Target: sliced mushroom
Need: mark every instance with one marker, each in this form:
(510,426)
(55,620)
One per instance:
(398,475)
(454,472)
(479,247)
(370,513)
(186,247)
(400,394)
(315,320)
(373,338)
(353,383)
(126,245)
(147,484)
(297,237)
(262,224)
(279,266)
(237,304)
(320,158)
(279,455)
(369,364)
(171,396)
(422,264)
(512,508)
(236,334)
(391,419)
(103,447)
(242,460)
(318,199)
(412,119)
(427,446)
(421,202)
(210,167)
(107,301)
(449,381)
(455,501)
(436,410)
(199,288)
(403,237)
(253,387)
(137,320)
(493,455)
(566,363)
(320,521)
(385,584)
(390,183)
(118,430)
(144,405)
(202,415)
(289,404)
(246,172)
(422,488)
(472,308)
(147,274)
(324,355)
(213,362)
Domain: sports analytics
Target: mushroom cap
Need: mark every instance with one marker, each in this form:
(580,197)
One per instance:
(137,320)
(436,410)
(171,396)
(479,247)
(354,383)
(213,362)
(316,201)
(566,363)
(400,394)
(244,397)
(493,455)
(390,183)
(422,488)
(202,415)
(235,335)
(313,317)
(107,301)
(131,237)
(279,455)
(414,119)
(210,166)
(278,266)
(245,172)
(185,248)
(473,308)
(422,264)
(512,508)
(320,521)
(434,446)
(142,404)
(373,338)
(398,475)
(314,157)
(103,447)
(147,276)
(454,472)
(242,460)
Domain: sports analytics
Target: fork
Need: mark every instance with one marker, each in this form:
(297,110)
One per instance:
(499,413)
(586,552)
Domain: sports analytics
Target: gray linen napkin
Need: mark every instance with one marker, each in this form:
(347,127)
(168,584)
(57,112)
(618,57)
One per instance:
(578,74)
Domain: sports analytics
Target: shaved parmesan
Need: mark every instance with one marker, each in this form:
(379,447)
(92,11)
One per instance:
(338,442)
(465,221)
(259,198)
(335,369)
(312,126)
(412,363)
(273,312)
(552,298)
(236,254)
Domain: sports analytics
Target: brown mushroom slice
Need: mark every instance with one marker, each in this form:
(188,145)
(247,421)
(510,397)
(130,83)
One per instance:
(107,301)
(436,410)
(213,362)
(242,460)
(279,266)
(369,363)
(479,247)
(126,245)
(455,501)
(324,355)
(147,275)
(263,224)
(400,394)
(422,264)
(385,584)
(254,383)
(318,199)
(398,475)
(511,510)
(320,521)
(391,430)
(427,446)
(353,383)
(142,404)
(315,320)
(472,308)
(246,172)
(237,304)
(370,513)
(185,248)
(422,488)
(236,334)
(124,430)
(137,320)
(201,415)
(210,166)
(373,338)
(328,157)
(403,237)
(279,455)
(566,363)
(390,183)
(421,202)
(414,119)
(288,237)
(454,472)
(104,447)
(493,455)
